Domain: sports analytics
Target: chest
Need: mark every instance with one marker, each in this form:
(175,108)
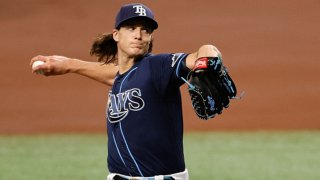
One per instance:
(130,94)
(137,82)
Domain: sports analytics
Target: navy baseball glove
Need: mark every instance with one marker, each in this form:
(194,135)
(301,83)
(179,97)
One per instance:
(210,87)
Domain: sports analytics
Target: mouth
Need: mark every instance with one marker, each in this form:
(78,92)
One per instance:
(139,46)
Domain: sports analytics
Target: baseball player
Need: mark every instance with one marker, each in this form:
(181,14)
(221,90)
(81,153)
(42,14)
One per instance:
(144,111)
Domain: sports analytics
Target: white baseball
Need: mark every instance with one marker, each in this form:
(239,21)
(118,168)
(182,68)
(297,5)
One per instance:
(37,63)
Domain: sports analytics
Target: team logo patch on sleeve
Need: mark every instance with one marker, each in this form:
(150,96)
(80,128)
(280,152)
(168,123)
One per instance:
(175,58)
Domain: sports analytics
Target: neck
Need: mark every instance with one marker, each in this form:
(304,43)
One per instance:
(125,64)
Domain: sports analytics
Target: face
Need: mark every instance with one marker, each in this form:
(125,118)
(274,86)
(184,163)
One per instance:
(133,38)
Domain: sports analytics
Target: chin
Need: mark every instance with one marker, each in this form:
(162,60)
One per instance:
(138,53)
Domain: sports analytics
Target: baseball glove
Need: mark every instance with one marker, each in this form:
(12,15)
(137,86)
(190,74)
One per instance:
(210,87)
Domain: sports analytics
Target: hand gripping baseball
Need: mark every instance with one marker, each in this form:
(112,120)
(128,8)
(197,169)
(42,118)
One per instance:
(52,65)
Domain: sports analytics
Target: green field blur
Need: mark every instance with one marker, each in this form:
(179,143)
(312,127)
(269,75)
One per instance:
(220,155)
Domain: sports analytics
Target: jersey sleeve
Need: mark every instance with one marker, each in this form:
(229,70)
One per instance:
(169,71)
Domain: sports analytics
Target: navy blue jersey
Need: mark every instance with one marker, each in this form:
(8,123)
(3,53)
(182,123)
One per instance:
(145,124)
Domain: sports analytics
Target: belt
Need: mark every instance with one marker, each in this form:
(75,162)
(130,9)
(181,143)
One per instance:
(180,175)
(117,177)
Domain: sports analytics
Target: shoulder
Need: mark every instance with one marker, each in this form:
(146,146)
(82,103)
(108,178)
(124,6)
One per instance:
(172,57)
(156,56)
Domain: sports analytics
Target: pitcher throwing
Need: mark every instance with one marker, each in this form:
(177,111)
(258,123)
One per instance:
(144,111)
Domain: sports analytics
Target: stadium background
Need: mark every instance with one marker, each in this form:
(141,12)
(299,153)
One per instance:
(270,47)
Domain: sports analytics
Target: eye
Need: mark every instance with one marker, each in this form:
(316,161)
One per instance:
(130,28)
(146,30)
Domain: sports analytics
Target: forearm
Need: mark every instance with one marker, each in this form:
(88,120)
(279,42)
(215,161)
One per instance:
(59,65)
(103,73)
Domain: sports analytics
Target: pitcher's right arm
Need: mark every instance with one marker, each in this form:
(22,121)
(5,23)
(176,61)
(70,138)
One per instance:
(59,65)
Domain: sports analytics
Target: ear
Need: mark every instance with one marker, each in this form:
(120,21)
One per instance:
(115,34)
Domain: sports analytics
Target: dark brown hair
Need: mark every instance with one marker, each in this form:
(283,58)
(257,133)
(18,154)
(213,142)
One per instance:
(105,48)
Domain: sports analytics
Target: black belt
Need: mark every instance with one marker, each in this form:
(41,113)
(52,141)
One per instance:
(117,177)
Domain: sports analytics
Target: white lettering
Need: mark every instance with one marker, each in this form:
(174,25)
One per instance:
(140,10)
(119,105)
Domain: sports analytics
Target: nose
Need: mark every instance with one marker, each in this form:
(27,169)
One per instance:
(138,33)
